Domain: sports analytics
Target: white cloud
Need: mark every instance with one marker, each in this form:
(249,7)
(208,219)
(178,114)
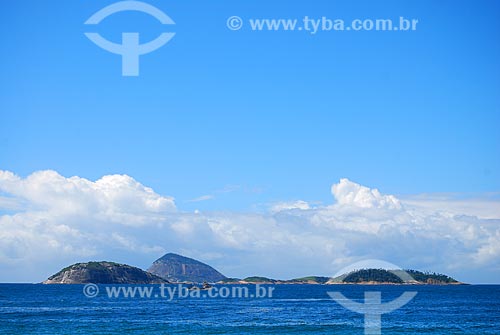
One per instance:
(73,218)
(202,198)
(65,220)
(348,193)
(117,198)
(486,207)
(283,206)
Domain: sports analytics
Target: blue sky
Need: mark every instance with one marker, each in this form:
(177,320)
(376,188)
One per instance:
(283,112)
(252,118)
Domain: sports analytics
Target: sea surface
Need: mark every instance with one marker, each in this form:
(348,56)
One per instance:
(292,309)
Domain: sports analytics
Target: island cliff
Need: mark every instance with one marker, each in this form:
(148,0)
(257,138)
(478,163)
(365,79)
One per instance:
(177,268)
(103,273)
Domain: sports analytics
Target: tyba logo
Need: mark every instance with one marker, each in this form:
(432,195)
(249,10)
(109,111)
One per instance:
(130,49)
(373,308)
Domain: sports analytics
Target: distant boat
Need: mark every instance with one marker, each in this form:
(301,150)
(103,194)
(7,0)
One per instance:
(205,286)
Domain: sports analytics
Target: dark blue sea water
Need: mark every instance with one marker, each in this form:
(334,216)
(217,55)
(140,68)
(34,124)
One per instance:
(293,309)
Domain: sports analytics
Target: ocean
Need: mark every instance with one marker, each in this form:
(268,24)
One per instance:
(292,309)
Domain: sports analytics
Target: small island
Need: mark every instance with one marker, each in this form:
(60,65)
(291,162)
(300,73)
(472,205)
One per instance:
(103,273)
(313,280)
(393,277)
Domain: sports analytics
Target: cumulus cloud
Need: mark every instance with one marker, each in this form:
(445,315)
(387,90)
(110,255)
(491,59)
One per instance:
(115,197)
(53,220)
(486,207)
(58,218)
(347,192)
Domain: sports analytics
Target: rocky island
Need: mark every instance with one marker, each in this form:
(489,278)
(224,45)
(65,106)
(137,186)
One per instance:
(177,268)
(103,273)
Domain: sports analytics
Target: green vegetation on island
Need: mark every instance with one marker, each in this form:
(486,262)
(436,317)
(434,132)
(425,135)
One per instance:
(257,279)
(383,276)
(372,275)
(431,277)
(311,280)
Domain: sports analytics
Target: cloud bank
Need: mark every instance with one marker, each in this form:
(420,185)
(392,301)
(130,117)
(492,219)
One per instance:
(48,221)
